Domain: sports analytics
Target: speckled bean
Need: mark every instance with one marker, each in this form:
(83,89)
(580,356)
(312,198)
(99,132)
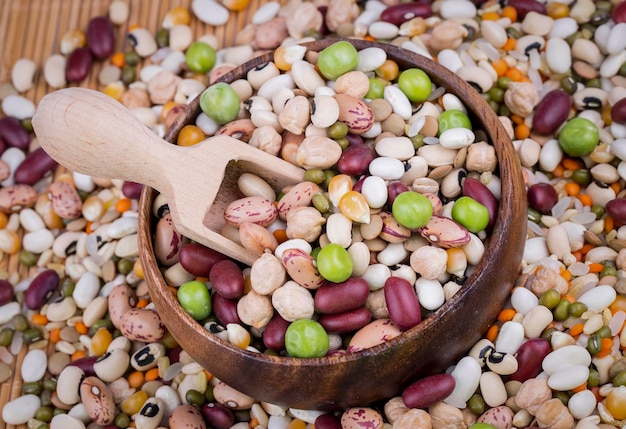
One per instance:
(140,324)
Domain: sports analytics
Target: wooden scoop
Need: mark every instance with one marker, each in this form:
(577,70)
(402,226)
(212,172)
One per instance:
(88,132)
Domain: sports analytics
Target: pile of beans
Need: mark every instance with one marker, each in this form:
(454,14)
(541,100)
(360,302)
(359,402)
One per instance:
(554,72)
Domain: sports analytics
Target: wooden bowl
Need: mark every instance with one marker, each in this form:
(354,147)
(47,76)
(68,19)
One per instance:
(378,373)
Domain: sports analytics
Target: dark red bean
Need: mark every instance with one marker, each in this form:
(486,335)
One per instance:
(86,364)
(198,259)
(132,190)
(619,13)
(348,321)
(358,186)
(618,111)
(100,37)
(616,208)
(402,12)
(425,392)
(274,333)
(477,190)
(3,145)
(333,298)
(13,133)
(542,197)
(6,292)
(395,188)
(41,288)
(524,6)
(552,111)
(217,415)
(78,65)
(356,159)
(402,303)
(327,421)
(227,279)
(529,358)
(34,167)
(225,309)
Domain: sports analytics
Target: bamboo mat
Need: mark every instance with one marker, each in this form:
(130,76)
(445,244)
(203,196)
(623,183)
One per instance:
(33,29)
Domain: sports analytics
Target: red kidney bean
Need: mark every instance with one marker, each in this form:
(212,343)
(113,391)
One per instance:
(402,303)
(395,188)
(227,279)
(217,415)
(529,358)
(402,12)
(198,259)
(100,37)
(13,133)
(477,190)
(358,185)
(274,333)
(348,321)
(327,421)
(616,208)
(332,298)
(524,6)
(41,289)
(34,167)
(3,145)
(86,364)
(225,309)
(425,392)
(78,65)
(6,292)
(355,159)
(542,197)
(132,190)
(619,12)
(618,111)
(552,111)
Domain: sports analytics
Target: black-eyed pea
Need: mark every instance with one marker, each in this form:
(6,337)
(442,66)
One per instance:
(147,357)
(121,299)
(324,111)
(231,398)
(142,324)
(112,365)
(186,416)
(98,400)
(150,415)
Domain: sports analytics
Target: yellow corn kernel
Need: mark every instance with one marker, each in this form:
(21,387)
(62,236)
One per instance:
(354,206)
(235,5)
(132,405)
(100,342)
(238,335)
(338,186)
(9,241)
(176,16)
(115,90)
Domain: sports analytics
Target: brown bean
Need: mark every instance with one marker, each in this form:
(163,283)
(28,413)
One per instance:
(402,12)
(402,303)
(425,392)
(41,289)
(552,111)
(477,190)
(198,259)
(345,322)
(6,292)
(616,208)
(529,358)
(218,416)
(100,37)
(333,298)
(524,6)
(34,167)
(13,133)
(227,279)
(78,65)
(618,111)
(225,309)
(274,333)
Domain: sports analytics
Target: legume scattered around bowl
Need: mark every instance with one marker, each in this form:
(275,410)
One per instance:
(553,358)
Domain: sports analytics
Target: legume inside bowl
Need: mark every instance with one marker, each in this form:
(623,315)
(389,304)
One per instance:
(339,380)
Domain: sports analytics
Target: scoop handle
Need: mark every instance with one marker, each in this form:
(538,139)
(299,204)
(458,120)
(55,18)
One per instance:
(91,133)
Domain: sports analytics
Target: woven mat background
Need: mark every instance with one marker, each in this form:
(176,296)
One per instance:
(33,29)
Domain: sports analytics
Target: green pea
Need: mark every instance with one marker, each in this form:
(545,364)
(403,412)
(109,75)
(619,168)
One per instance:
(131,58)
(376,88)
(482,426)
(562,396)
(503,82)
(453,119)
(550,298)
(581,176)
(129,74)
(44,414)
(314,175)
(32,387)
(163,38)
(568,85)
(343,143)
(608,271)
(513,32)
(561,311)
(306,338)
(32,335)
(220,102)
(19,322)
(576,309)
(534,215)
(415,84)
(593,83)
(594,344)
(101,323)
(496,94)
(50,384)
(476,404)
(27,124)
(417,140)
(547,333)
(622,70)
(195,398)
(578,137)
(619,379)
(321,202)
(334,263)
(329,176)
(412,209)
(27,258)
(125,266)
(195,299)
(471,214)
(200,57)
(46,398)
(495,106)
(594,378)
(338,130)
(122,420)
(604,332)
(504,111)
(6,336)
(67,287)
(337,59)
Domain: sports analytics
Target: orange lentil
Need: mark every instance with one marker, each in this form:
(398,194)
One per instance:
(558,171)
(81,328)
(142,303)
(254,422)
(568,297)
(122,205)
(202,279)
(510,44)
(585,199)
(522,131)
(132,27)
(586,248)
(506,315)
(280,235)
(297,424)
(580,388)
(607,347)
(609,224)
(118,59)
(578,255)
(135,379)
(39,319)
(89,227)
(78,354)
(500,66)
(152,374)
(572,188)
(571,164)
(509,12)
(490,16)
(619,304)
(370,38)
(208,375)
(596,267)
(514,73)
(566,274)
(517,119)
(492,333)
(616,187)
(55,335)
(576,330)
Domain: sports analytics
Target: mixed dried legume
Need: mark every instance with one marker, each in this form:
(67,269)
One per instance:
(553,358)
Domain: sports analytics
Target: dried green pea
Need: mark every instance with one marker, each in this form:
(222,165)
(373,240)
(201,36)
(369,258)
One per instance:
(582,176)
(562,396)
(321,203)
(550,298)
(163,38)
(121,420)
(209,394)
(337,130)
(44,414)
(6,336)
(561,311)
(604,332)
(195,398)
(32,335)
(619,379)
(28,259)
(129,74)
(19,322)
(314,175)
(608,271)
(594,344)
(576,309)
(343,143)
(50,384)
(124,266)
(594,378)
(476,404)
(131,58)
(67,287)
(32,387)
(417,140)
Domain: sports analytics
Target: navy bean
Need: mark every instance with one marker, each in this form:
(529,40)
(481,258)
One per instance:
(425,392)
(41,289)
(100,37)
(616,208)
(227,279)
(217,415)
(274,333)
(78,65)
(402,12)
(529,358)
(333,298)
(327,421)
(477,190)
(198,259)
(348,321)
(552,111)
(6,292)
(34,167)
(86,364)
(618,112)
(13,133)
(542,197)
(355,160)
(402,303)
(524,6)
(225,309)
(132,190)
